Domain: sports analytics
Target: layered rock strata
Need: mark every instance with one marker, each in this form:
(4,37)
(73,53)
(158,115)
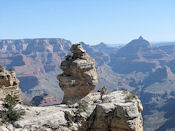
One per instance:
(79,75)
(9,84)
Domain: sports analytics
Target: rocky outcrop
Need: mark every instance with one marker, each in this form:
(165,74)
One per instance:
(120,111)
(79,75)
(116,113)
(9,84)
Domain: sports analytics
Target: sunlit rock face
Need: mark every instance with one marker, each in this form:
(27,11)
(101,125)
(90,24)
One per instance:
(79,75)
(118,111)
(9,84)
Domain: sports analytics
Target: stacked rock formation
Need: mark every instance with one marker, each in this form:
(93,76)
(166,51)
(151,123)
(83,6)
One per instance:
(9,84)
(79,75)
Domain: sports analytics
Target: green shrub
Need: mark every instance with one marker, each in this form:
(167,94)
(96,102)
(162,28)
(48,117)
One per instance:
(9,102)
(9,114)
(69,103)
(82,106)
(12,69)
(130,96)
(1,69)
(1,123)
(1,86)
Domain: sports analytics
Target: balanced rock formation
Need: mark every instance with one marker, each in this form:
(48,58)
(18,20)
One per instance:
(9,84)
(118,111)
(79,75)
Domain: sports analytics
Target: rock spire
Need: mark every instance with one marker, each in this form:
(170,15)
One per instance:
(79,75)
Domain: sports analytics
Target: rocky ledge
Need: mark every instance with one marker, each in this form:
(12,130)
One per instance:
(116,111)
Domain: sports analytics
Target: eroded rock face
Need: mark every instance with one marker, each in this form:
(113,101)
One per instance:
(9,84)
(79,75)
(118,112)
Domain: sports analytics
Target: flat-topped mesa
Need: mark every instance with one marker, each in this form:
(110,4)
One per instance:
(9,84)
(79,75)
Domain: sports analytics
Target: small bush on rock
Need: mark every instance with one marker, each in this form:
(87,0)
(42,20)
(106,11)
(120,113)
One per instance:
(130,96)
(12,69)
(9,114)
(69,103)
(82,106)
(1,69)
(1,86)
(1,123)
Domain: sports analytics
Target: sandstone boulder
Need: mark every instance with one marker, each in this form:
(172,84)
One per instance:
(9,84)
(79,75)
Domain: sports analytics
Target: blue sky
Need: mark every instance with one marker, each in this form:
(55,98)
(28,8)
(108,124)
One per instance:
(91,21)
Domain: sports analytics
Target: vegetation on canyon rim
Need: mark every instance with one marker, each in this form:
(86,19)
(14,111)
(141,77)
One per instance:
(9,113)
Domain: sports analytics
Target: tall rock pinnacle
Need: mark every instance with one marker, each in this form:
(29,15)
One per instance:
(79,75)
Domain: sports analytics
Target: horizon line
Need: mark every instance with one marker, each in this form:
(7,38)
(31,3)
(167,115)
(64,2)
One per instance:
(35,38)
